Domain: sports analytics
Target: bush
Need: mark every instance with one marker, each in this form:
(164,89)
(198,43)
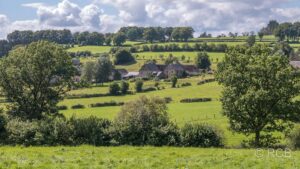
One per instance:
(63,107)
(105,104)
(191,100)
(145,122)
(54,131)
(124,87)
(149,89)
(294,138)
(91,130)
(114,89)
(206,81)
(139,85)
(21,132)
(174,81)
(78,106)
(201,135)
(186,84)
(168,99)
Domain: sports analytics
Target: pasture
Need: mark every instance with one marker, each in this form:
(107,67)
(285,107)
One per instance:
(144,157)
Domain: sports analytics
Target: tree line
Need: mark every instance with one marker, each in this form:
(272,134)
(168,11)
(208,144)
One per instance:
(283,31)
(151,34)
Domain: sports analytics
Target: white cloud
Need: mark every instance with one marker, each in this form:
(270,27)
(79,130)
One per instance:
(214,16)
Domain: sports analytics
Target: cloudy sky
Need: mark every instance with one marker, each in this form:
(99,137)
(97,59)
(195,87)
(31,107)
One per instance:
(214,16)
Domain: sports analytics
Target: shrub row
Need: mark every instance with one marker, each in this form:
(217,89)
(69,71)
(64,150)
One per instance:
(80,96)
(206,81)
(105,104)
(184,47)
(191,100)
(80,54)
(149,89)
(186,84)
(78,106)
(100,132)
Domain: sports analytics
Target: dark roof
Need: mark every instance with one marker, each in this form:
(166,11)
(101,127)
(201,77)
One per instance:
(295,64)
(190,68)
(150,67)
(161,67)
(175,66)
(122,71)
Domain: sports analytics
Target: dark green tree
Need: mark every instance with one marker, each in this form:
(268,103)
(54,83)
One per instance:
(202,61)
(114,89)
(139,86)
(123,56)
(124,87)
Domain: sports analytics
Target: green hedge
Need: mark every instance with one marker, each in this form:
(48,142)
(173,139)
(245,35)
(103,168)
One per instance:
(191,100)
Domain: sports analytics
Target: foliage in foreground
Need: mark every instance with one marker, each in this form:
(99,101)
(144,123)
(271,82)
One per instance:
(259,87)
(34,78)
(141,122)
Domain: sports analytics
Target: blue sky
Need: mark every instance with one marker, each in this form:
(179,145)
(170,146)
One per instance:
(214,16)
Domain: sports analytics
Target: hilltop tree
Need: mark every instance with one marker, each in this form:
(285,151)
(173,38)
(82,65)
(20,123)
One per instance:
(119,38)
(34,78)
(103,69)
(202,61)
(259,88)
(150,34)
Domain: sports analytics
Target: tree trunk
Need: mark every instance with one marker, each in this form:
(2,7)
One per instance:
(257,138)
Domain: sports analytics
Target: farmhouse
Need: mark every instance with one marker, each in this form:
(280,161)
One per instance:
(152,69)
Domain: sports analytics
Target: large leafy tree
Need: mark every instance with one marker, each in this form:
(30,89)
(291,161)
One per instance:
(119,39)
(259,88)
(103,69)
(88,71)
(34,78)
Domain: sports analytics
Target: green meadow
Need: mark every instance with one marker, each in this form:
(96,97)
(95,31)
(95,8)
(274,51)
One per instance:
(145,157)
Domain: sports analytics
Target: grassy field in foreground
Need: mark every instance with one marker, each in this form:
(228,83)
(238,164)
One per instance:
(144,157)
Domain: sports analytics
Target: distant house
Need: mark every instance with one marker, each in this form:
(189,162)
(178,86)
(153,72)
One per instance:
(131,75)
(174,69)
(164,71)
(149,69)
(121,72)
(191,69)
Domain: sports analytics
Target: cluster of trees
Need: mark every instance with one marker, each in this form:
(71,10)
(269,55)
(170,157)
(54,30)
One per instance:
(259,91)
(288,31)
(151,34)
(26,37)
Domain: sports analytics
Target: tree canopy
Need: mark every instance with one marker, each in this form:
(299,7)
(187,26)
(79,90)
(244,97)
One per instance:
(34,78)
(259,88)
